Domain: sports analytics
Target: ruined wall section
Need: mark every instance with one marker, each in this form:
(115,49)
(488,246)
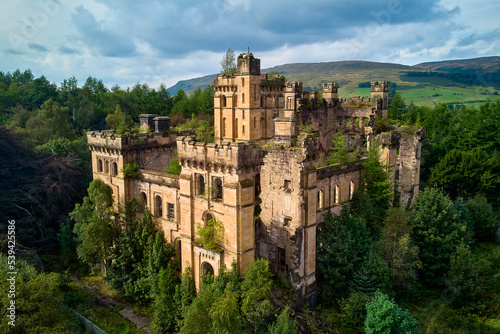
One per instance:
(408,161)
(286,232)
(401,151)
(356,117)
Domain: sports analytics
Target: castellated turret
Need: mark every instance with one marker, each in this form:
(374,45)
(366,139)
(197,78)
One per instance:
(329,90)
(380,90)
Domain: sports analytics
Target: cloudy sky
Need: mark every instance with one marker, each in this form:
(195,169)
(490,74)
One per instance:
(128,41)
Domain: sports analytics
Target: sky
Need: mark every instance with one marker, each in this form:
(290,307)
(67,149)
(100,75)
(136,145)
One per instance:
(125,42)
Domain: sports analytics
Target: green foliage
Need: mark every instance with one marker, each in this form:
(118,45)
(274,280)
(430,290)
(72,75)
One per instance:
(284,324)
(94,224)
(437,231)
(138,254)
(256,288)
(398,250)
(342,242)
(384,316)
(211,235)
(364,281)
(225,314)
(462,278)
(353,312)
(119,121)
(484,222)
(339,153)
(397,108)
(306,128)
(202,129)
(165,312)
(37,299)
(465,174)
(67,242)
(131,170)
(174,167)
(374,266)
(228,64)
(184,295)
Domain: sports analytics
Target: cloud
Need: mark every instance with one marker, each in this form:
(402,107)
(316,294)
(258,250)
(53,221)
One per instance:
(68,50)
(101,36)
(37,47)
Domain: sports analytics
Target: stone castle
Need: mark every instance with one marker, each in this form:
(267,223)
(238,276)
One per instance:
(261,177)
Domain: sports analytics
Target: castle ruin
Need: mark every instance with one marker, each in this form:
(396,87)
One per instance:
(260,178)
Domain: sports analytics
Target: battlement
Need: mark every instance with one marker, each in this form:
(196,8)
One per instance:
(293,87)
(380,86)
(329,87)
(237,154)
(110,140)
(247,64)
(357,101)
(225,83)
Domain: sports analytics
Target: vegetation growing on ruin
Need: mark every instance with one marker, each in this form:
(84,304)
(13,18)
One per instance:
(439,259)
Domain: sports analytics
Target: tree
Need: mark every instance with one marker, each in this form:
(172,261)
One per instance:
(339,154)
(256,304)
(484,222)
(185,293)
(119,121)
(465,174)
(462,278)
(353,312)
(225,314)
(38,299)
(376,186)
(397,109)
(94,224)
(383,315)
(399,251)
(284,324)
(342,242)
(165,312)
(228,63)
(437,231)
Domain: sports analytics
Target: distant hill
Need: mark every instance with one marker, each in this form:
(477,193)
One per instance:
(453,81)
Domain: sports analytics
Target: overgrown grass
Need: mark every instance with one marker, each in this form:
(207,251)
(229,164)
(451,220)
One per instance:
(87,304)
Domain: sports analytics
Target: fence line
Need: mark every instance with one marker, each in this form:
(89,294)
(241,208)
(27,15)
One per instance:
(89,325)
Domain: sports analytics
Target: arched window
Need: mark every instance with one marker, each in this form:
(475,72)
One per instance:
(217,183)
(223,132)
(320,199)
(351,190)
(114,169)
(242,82)
(242,129)
(99,165)
(207,269)
(143,201)
(263,101)
(336,194)
(235,130)
(223,101)
(158,206)
(242,97)
(106,166)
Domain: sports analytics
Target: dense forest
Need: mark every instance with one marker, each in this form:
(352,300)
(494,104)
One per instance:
(432,267)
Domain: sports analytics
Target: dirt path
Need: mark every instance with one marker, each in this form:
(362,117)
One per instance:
(126,311)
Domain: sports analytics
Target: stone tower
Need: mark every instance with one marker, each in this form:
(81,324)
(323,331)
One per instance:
(246,103)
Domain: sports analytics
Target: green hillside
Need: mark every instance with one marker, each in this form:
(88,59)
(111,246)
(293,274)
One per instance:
(469,82)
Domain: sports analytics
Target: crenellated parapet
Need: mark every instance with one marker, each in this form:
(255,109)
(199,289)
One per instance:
(234,155)
(124,142)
